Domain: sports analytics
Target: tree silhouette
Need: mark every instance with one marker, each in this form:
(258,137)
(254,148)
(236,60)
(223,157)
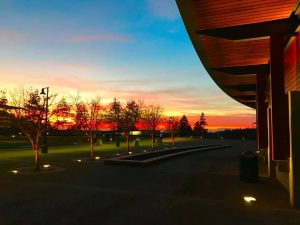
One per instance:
(152,116)
(4,115)
(3,98)
(113,116)
(199,127)
(27,113)
(62,114)
(130,114)
(173,124)
(88,117)
(185,129)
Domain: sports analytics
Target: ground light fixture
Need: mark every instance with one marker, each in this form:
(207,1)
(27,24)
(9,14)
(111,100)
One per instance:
(15,171)
(130,153)
(46,166)
(249,199)
(79,160)
(97,157)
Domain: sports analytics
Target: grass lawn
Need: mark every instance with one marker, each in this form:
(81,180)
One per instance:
(18,153)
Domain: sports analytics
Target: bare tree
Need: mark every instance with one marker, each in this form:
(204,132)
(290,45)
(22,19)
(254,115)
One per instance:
(27,113)
(173,124)
(130,114)
(88,117)
(4,115)
(3,98)
(113,116)
(152,115)
(62,114)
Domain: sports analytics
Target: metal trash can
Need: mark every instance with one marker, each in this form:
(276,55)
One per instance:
(44,149)
(249,167)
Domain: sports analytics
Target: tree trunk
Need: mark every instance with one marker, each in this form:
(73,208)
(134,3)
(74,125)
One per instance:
(172,138)
(37,160)
(92,148)
(35,149)
(152,145)
(117,140)
(127,144)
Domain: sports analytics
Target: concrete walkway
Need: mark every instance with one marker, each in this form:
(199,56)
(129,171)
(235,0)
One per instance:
(202,189)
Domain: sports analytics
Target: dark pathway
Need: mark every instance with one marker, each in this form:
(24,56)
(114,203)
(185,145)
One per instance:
(202,188)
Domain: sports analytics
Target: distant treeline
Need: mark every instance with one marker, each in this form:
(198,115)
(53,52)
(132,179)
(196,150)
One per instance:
(248,134)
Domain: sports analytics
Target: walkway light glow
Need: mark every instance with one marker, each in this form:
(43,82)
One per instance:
(15,171)
(130,153)
(46,166)
(79,160)
(249,199)
(97,157)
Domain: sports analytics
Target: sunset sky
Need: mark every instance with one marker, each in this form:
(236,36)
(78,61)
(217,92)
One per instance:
(126,49)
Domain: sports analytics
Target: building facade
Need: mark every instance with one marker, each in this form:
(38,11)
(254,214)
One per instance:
(251,49)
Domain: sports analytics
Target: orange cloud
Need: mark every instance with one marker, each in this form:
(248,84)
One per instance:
(66,79)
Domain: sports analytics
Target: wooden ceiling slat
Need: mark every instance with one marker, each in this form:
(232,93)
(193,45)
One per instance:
(247,19)
(227,23)
(223,13)
(256,5)
(236,63)
(227,79)
(244,70)
(248,101)
(245,87)
(236,93)
(227,55)
(237,54)
(223,52)
(285,10)
(247,97)
(221,4)
(277,10)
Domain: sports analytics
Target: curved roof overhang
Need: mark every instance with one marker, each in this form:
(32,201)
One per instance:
(231,38)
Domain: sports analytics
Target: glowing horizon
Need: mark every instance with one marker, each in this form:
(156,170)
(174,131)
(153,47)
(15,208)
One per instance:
(143,53)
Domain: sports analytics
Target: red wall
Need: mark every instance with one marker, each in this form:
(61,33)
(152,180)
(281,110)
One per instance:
(292,65)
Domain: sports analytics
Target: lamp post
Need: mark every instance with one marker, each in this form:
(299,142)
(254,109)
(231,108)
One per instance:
(45,147)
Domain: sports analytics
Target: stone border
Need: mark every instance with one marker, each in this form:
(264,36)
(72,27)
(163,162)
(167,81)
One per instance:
(125,160)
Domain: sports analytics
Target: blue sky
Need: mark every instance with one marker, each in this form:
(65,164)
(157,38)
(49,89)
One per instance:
(127,49)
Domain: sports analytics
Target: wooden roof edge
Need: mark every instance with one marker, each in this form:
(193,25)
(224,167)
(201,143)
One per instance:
(255,30)
(189,19)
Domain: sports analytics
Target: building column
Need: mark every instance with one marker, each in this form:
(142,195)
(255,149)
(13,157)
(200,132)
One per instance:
(261,112)
(294,127)
(271,164)
(279,101)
